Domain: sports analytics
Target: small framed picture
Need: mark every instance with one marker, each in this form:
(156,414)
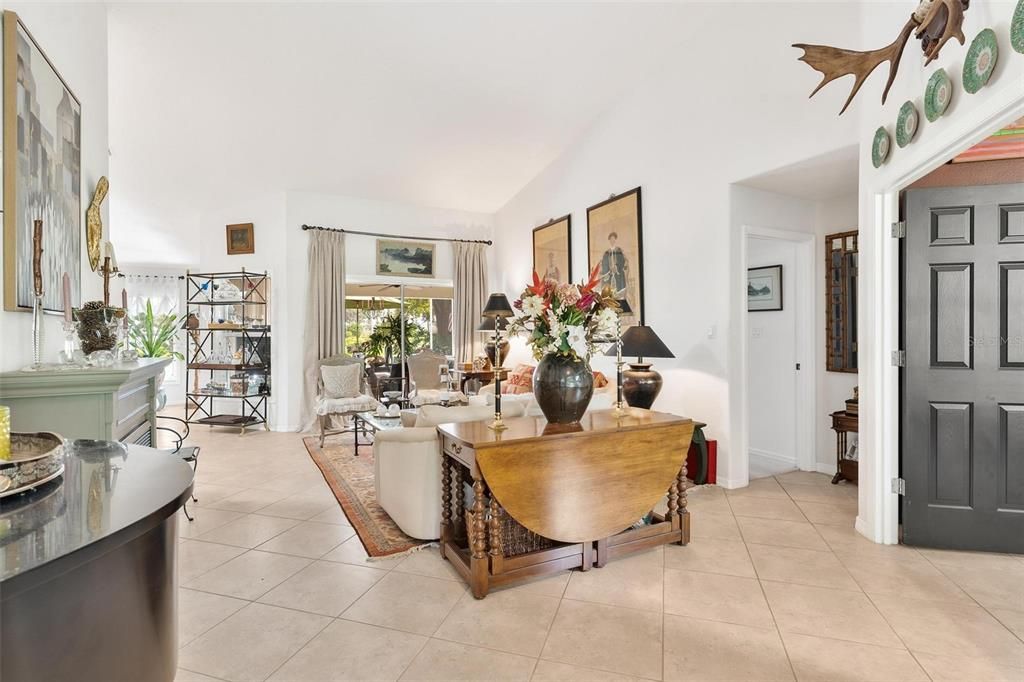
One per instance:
(764,289)
(405,259)
(240,239)
(552,249)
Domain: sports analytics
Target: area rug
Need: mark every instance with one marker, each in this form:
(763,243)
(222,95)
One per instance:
(351,480)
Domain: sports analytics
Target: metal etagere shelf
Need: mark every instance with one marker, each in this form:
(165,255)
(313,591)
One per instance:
(228,345)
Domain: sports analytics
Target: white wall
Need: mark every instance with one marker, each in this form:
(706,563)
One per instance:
(74,38)
(684,135)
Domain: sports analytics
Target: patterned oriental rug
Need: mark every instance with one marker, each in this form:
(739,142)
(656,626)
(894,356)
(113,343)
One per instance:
(351,480)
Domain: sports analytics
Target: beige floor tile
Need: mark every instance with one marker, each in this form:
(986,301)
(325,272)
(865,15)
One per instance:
(196,558)
(801,566)
(404,601)
(845,538)
(968,560)
(906,574)
(1014,620)
(332,514)
(250,575)
(836,514)
(449,661)
(714,525)
(299,506)
(816,659)
(995,586)
(428,561)
(352,552)
(508,621)
(345,650)
(962,669)
(188,676)
(799,534)
(704,501)
(323,587)
(759,487)
(548,586)
(550,671)
(610,638)
(205,520)
(711,556)
(250,500)
(825,494)
(200,611)
(704,650)
(711,596)
(249,531)
(208,493)
(826,612)
(252,643)
(957,629)
(635,582)
(309,539)
(805,478)
(766,508)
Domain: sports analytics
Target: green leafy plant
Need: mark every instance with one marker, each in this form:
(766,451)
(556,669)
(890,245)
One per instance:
(386,338)
(153,336)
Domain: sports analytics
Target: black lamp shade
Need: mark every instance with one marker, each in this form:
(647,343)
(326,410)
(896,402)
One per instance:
(498,306)
(641,341)
(488,324)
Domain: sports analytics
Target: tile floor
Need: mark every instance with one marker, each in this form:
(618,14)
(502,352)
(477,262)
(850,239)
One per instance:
(775,585)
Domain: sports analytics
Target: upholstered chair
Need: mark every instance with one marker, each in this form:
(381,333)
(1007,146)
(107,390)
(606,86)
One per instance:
(329,406)
(424,371)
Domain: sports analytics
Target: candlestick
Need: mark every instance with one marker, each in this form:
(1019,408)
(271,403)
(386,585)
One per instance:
(37,257)
(67,298)
(5,432)
(124,300)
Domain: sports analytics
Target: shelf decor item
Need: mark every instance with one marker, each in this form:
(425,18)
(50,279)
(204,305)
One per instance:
(980,61)
(564,323)
(937,95)
(97,327)
(1017,28)
(906,124)
(880,147)
(641,384)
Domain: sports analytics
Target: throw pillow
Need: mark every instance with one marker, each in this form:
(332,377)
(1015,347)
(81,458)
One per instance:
(520,380)
(600,380)
(341,381)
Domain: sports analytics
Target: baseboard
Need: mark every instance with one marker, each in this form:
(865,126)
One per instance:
(823,468)
(728,483)
(772,457)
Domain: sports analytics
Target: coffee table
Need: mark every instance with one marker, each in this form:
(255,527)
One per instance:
(370,423)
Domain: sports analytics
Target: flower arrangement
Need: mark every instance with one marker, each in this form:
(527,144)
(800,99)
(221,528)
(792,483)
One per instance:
(566,319)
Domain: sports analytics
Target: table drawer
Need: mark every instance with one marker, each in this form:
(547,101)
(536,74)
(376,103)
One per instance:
(132,405)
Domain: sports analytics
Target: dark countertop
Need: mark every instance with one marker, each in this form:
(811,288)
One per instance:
(109,494)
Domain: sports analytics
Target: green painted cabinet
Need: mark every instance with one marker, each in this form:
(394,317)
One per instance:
(108,403)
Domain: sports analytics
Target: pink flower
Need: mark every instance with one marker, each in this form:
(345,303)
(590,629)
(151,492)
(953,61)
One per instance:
(568,293)
(586,301)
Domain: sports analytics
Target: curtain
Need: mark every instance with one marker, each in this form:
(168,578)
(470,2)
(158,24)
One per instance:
(164,292)
(325,312)
(469,298)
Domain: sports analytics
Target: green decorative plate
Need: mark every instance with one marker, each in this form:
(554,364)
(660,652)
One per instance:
(880,147)
(981,60)
(937,95)
(1017,28)
(906,123)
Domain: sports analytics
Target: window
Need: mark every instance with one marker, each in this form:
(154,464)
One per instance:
(164,294)
(373,319)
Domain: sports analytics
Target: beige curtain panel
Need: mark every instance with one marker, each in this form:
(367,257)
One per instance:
(470,295)
(325,312)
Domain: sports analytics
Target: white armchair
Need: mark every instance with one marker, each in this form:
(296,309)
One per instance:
(328,407)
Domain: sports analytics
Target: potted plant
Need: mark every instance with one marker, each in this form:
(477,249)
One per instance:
(386,338)
(153,336)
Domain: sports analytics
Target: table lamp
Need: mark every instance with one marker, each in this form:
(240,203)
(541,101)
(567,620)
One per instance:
(496,351)
(497,308)
(641,384)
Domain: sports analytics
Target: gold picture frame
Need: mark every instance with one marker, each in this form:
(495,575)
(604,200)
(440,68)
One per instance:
(241,239)
(552,249)
(397,258)
(615,243)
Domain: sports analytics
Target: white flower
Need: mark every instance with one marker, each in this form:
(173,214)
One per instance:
(577,339)
(605,322)
(533,305)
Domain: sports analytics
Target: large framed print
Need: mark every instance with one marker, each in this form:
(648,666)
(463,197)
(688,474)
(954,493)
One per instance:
(615,243)
(552,249)
(42,169)
(405,259)
(764,288)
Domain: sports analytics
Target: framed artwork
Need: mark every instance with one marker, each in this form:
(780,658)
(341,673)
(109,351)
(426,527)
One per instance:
(764,288)
(552,249)
(42,169)
(615,243)
(241,239)
(405,259)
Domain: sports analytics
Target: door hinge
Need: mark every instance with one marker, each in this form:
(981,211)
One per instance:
(899,358)
(899,486)
(899,229)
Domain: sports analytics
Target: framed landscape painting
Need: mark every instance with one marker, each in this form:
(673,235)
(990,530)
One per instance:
(615,243)
(405,259)
(552,249)
(764,288)
(42,169)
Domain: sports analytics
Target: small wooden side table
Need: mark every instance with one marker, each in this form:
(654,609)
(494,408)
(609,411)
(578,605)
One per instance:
(484,376)
(844,422)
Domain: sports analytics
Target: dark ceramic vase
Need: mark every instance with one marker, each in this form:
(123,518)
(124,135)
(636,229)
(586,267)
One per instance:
(563,387)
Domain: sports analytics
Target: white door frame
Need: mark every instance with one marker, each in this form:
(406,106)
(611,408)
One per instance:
(879,308)
(806,380)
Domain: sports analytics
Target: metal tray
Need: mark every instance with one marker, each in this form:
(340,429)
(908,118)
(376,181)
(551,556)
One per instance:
(35,459)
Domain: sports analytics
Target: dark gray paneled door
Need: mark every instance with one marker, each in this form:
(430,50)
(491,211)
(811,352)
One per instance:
(963,383)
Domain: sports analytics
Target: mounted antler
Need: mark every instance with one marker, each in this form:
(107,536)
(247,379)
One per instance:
(936,21)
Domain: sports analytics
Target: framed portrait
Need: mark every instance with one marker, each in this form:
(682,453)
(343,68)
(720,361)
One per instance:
(615,243)
(241,239)
(764,288)
(42,169)
(552,249)
(405,259)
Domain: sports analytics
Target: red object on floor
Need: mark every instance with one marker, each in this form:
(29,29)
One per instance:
(693,457)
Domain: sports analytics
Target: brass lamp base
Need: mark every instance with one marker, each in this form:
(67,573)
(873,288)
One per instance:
(641,385)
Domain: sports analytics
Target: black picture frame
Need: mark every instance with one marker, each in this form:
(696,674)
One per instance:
(555,224)
(630,223)
(774,304)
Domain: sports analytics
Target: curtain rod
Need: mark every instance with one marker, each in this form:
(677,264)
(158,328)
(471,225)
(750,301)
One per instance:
(396,236)
(121,274)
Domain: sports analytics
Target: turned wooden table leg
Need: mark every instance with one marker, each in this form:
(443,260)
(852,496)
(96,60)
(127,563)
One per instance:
(682,512)
(478,542)
(446,503)
(459,518)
